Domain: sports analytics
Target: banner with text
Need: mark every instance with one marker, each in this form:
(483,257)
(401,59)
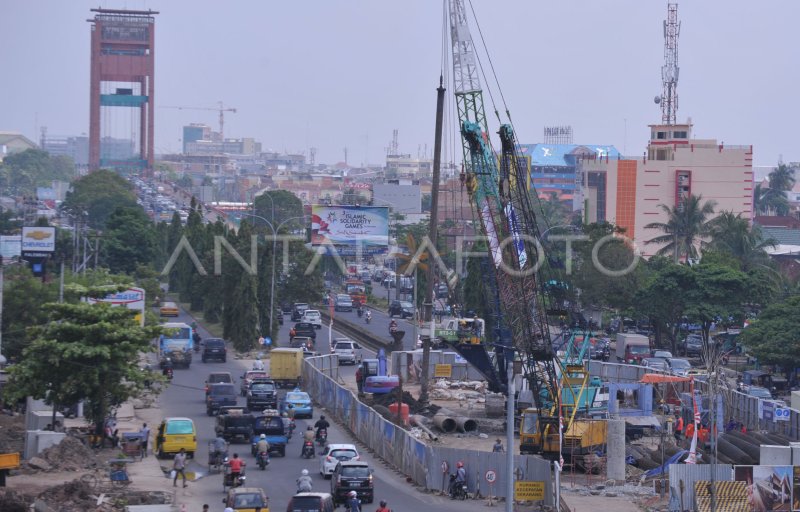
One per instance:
(350,226)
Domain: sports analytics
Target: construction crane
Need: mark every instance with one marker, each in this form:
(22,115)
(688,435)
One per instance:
(519,303)
(221,109)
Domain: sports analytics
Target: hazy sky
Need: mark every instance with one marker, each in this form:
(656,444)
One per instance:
(339,73)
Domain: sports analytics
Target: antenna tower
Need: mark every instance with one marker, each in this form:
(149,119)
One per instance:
(394,149)
(670,69)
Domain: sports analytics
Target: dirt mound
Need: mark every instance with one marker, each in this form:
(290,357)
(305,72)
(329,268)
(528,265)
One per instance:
(414,406)
(68,455)
(11,501)
(72,496)
(12,434)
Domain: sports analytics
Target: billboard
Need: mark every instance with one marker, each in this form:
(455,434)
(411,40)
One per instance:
(36,239)
(769,488)
(350,226)
(132,298)
(10,246)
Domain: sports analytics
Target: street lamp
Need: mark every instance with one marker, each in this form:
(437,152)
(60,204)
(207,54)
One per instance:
(272,202)
(396,274)
(274,246)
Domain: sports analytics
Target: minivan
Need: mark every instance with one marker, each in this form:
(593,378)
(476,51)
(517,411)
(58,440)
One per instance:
(310,502)
(174,434)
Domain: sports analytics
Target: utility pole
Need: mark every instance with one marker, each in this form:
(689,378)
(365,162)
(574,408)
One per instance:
(433,228)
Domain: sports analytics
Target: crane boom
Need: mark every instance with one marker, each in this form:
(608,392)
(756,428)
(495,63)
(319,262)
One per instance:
(221,109)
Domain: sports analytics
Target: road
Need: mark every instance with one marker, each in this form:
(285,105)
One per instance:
(185,397)
(379,325)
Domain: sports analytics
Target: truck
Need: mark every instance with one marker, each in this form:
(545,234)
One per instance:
(176,344)
(357,291)
(285,366)
(632,348)
(375,376)
(461,330)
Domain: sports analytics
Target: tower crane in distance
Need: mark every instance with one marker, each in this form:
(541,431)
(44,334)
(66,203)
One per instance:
(221,109)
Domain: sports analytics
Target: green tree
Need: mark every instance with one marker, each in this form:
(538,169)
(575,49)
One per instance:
(85,353)
(719,294)
(663,297)
(129,240)
(286,206)
(98,194)
(774,338)
(733,235)
(781,178)
(686,226)
(21,173)
(23,298)
(597,287)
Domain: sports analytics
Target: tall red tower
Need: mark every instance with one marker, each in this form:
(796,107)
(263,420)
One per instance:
(122,77)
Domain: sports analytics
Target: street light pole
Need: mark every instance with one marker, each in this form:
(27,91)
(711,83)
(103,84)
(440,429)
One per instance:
(274,248)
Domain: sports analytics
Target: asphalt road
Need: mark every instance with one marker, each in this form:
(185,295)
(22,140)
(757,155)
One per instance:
(379,325)
(185,397)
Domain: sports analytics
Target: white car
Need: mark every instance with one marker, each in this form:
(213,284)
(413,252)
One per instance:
(335,453)
(348,351)
(312,316)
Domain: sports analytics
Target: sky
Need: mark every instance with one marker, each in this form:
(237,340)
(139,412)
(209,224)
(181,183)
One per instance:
(336,74)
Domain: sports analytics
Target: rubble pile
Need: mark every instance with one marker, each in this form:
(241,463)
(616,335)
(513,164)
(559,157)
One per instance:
(414,407)
(74,496)
(69,455)
(11,501)
(472,390)
(12,434)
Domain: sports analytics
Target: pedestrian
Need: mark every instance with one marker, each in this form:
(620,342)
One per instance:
(678,428)
(144,435)
(179,467)
(498,446)
(359,383)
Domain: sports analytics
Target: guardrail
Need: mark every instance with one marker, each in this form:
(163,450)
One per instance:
(357,333)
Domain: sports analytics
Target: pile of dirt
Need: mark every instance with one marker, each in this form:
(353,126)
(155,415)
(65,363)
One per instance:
(11,501)
(73,496)
(68,455)
(12,434)
(414,406)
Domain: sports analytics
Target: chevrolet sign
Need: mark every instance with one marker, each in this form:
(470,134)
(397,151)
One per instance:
(35,239)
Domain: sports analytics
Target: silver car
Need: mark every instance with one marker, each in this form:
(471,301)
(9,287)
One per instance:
(348,351)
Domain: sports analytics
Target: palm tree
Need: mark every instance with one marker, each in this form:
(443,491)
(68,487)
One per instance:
(733,235)
(686,226)
(761,199)
(781,178)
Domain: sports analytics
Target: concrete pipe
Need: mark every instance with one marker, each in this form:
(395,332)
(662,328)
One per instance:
(445,423)
(464,424)
(418,421)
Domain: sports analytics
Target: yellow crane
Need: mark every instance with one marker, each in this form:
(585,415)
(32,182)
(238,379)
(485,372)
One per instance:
(221,109)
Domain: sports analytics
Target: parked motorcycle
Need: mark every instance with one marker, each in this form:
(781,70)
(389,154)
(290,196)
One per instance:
(308,450)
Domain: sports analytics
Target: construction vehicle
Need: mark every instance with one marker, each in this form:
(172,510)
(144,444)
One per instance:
(563,395)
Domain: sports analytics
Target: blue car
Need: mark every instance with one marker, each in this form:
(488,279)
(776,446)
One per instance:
(300,401)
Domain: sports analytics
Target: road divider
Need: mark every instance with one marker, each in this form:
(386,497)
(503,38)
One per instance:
(359,334)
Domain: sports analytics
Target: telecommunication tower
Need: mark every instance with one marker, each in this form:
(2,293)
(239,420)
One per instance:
(670,70)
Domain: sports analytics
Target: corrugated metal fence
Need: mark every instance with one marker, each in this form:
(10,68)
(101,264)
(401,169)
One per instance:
(689,474)
(406,453)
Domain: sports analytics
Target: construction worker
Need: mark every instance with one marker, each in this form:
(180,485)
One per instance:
(678,427)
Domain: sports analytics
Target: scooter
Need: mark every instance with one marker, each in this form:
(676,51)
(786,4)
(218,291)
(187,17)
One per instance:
(322,437)
(458,491)
(168,372)
(308,450)
(263,460)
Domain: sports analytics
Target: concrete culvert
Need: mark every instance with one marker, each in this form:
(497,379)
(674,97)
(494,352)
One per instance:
(464,424)
(444,423)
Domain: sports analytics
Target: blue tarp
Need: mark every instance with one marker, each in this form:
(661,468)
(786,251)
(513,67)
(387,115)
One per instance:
(661,469)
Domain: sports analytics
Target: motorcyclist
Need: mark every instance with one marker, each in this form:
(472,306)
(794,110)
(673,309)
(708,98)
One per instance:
(308,437)
(392,326)
(167,368)
(353,503)
(220,447)
(383,507)
(258,364)
(461,477)
(262,446)
(236,465)
(304,482)
(321,424)
(369,316)
(290,411)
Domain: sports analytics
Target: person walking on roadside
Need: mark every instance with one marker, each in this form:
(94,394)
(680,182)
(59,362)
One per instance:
(498,446)
(144,435)
(179,467)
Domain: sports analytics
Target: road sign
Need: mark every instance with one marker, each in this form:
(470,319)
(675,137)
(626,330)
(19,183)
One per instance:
(445,467)
(443,370)
(491,476)
(781,414)
(528,491)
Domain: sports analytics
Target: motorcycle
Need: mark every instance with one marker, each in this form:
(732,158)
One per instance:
(263,460)
(308,450)
(292,426)
(458,490)
(368,318)
(228,480)
(168,372)
(322,436)
(360,312)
